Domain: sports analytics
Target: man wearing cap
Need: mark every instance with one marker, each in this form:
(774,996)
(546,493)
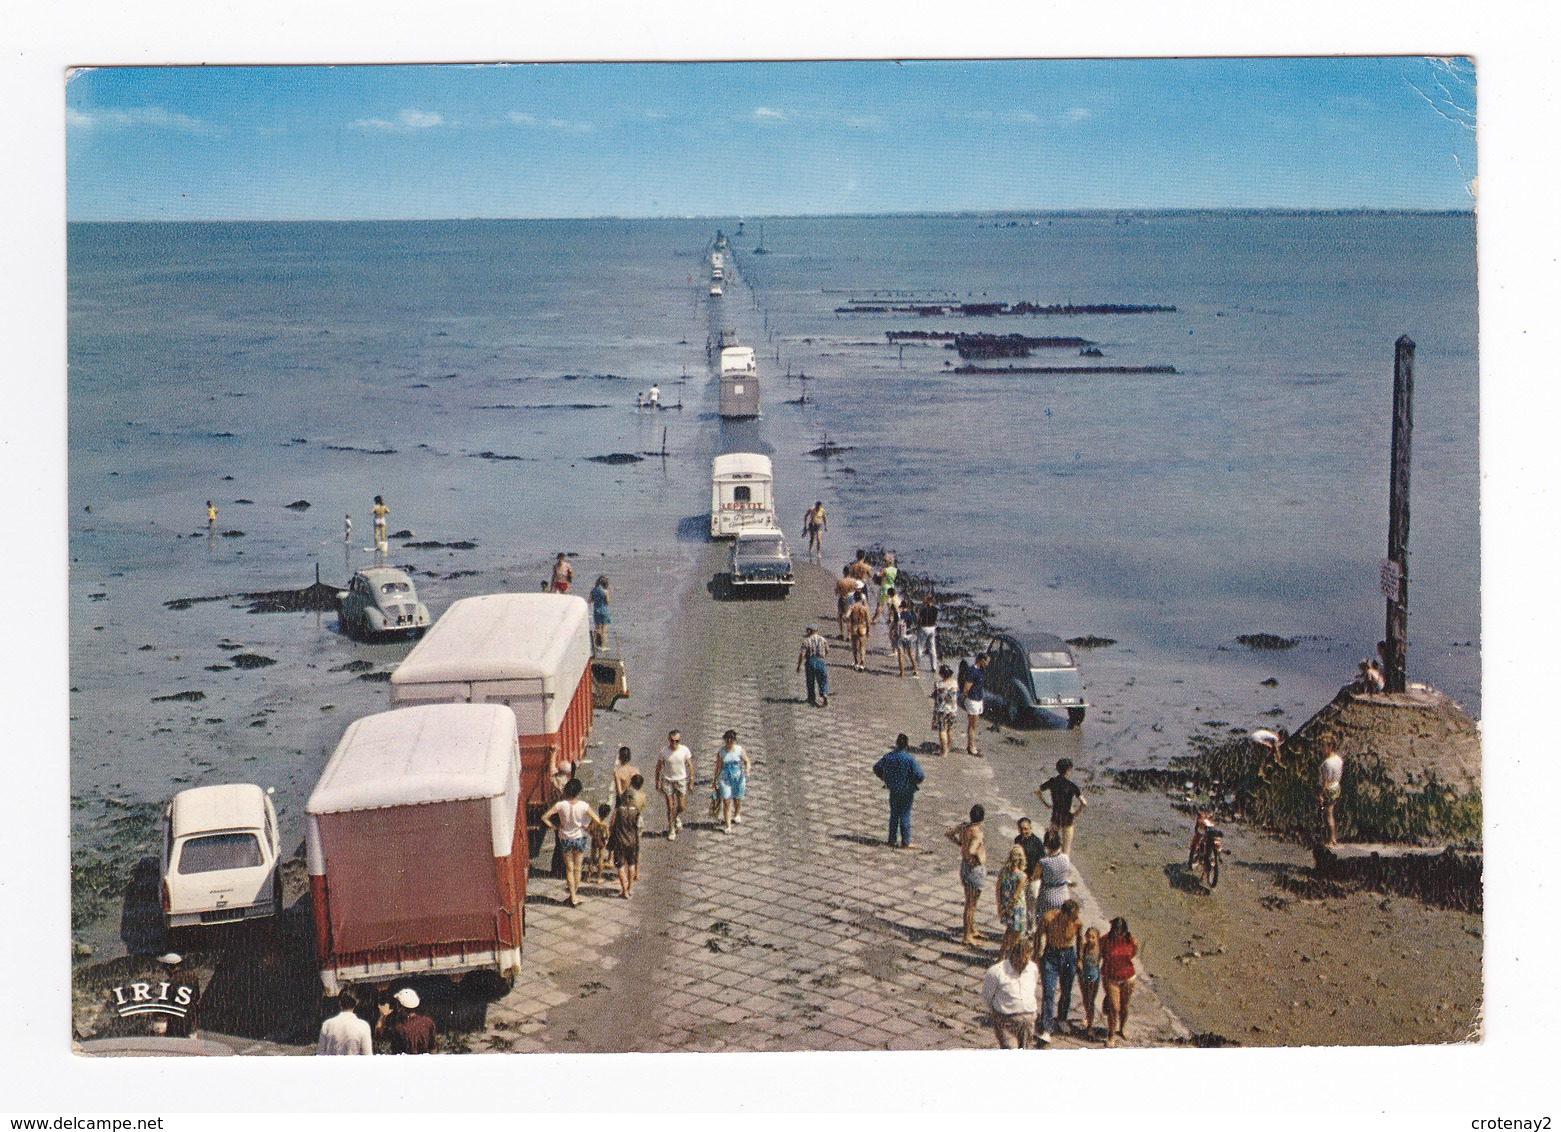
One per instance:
(344,1033)
(814,650)
(407,1030)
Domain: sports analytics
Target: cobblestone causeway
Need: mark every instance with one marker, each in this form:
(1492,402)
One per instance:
(801,930)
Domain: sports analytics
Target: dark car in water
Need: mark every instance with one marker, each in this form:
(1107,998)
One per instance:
(1034,678)
(761,559)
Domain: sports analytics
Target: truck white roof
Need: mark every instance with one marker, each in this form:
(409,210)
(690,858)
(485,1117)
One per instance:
(416,755)
(499,637)
(744,464)
(237,805)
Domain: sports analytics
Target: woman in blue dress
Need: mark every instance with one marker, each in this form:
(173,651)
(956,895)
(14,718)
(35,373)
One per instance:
(731,780)
(601,598)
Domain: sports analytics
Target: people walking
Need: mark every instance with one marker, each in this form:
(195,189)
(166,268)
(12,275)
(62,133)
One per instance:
(858,621)
(563,574)
(814,524)
(973,692)
(674,775)
(1034,851)
(810,658)
(1089,976)
(601,598)
(344,1033)
(861,569)
(945,694)
(1118,974)
(845,593)
(623,842)
(907,617)
(731,780)
(927,632)
(1008,995)
(1057,945)
(1066,801)
(403,1026)
(896,630)
(971,839)
(902,774)
(1055,870)
(1330,782)
(572,820)
(1010,897)
(379,511)
(623,774)
(885,577)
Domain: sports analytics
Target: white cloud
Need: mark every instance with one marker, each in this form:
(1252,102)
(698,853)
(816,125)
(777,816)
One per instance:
(142,117)
(768,114)
(406,122)
(521,119)
(567,125)
(1077,114)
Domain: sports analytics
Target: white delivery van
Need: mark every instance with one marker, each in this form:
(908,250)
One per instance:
(416,836)
(742,493)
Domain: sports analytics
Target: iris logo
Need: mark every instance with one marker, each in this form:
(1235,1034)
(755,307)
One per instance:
(161,997)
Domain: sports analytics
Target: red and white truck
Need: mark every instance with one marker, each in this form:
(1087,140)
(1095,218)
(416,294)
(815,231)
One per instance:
(416,841)
(530,652)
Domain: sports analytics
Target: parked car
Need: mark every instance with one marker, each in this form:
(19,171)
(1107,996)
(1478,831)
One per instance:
(1034,677)
(220,856)
(382,600)
(760,557)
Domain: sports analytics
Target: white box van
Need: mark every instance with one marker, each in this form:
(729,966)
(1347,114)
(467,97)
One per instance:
(742,493)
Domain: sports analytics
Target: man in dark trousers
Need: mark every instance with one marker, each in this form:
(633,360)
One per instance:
(902,775)
(1066,802)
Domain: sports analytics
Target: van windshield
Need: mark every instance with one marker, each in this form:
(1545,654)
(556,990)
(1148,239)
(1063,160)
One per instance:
(216,852)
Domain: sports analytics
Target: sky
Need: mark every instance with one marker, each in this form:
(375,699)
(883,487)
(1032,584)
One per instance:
(758,139)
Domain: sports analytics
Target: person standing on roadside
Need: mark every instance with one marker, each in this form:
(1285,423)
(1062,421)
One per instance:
(927,632)
(731,779)
(379,511)
(623,773)
(810,657)
(858,622)
(623,842)
(1330,781)
(403,1027)
(901,773)
(344,1033)
(1033,852)
(601,598)
(1010,898)
(1118,974)
(973,690)
(945,697)
(674,776)
(1008,995)
(814,524)
(971,839)
(1066,801)
(1057,946)
(1055,870)
(563,574)
(908,632)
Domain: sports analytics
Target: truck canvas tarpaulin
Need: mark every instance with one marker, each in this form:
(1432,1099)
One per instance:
(415,835)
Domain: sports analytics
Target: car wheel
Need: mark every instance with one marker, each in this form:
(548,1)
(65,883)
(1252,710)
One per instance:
(1075,717)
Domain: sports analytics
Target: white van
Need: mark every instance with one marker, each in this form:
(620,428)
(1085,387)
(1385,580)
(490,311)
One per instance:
(742,493)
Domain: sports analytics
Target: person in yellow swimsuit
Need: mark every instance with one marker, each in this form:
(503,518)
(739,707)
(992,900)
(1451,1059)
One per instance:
(211,514)
(380,511)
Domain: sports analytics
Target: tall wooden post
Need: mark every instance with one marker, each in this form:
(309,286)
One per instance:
(1396,571)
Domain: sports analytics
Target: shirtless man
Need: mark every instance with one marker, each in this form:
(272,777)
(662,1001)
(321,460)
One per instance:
(858,621)
(623,774)
(814,524)
(971,839)
(563,574)
(861,569)
(845,590)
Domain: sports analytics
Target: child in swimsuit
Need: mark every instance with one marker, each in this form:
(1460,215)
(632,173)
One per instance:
(1089,975)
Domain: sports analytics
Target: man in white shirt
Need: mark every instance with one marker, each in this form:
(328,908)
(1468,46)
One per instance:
(345,1032)
(674,775)
(1330,778)
(1008,994)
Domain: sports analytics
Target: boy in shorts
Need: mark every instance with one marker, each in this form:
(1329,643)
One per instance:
(970,836)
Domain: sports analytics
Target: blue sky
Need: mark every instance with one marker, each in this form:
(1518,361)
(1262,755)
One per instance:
(753,139)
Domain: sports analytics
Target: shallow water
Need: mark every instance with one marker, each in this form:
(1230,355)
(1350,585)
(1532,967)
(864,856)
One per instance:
(467,370)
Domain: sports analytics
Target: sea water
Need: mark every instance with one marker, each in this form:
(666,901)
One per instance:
(468,371)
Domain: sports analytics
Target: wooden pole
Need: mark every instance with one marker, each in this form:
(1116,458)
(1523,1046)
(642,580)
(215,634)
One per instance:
(1398,515)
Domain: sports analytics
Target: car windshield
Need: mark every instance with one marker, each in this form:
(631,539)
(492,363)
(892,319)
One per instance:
(1050,660)
(215,852)
(758,546)
(396,588)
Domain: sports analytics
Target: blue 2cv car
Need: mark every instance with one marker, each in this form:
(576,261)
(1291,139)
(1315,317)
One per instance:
(1034,678)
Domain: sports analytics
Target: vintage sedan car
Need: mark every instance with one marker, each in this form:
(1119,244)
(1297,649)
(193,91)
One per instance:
(221,856)
(760,558)
(381,601)
(1034,678)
